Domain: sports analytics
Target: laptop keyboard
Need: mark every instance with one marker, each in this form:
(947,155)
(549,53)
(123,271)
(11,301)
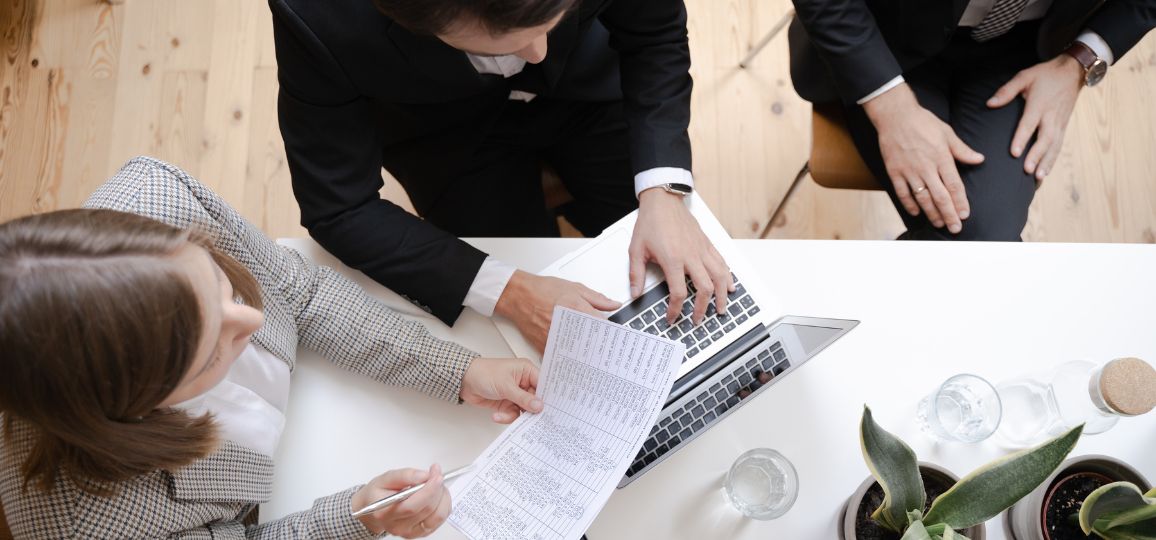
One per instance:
(723,392)
(648,313)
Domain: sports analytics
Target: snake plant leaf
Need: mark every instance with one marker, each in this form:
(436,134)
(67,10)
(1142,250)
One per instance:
(1136,531)
(943,532)
(1141,515)
(1114,505)
(893,465)
(994,487)
(916,531)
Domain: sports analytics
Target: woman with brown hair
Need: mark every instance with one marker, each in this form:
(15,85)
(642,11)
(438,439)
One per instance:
(146,344)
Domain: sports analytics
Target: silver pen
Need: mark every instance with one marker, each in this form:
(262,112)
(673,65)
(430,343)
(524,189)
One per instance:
(405,493)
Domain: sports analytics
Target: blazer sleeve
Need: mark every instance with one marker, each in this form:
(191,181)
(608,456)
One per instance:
(331,314)
(654,55)
(333,143)
(328,518)
(848,39)
(1122,23)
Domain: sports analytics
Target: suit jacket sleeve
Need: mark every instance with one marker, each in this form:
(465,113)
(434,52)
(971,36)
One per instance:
(849,41)
(329,313)
(651,40)
(333,145)
(1122,23)
(328,518)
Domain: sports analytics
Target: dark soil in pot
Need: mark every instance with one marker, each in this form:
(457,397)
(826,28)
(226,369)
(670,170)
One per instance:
(1065,497)
(867,529)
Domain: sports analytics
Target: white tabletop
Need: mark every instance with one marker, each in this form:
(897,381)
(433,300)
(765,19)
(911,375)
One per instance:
(928,311)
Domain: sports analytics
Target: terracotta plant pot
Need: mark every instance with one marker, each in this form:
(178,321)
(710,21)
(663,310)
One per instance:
(1025,519)
(931,474)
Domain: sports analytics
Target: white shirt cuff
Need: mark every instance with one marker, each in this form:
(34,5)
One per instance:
(488,286)
(886,86)
(1098,46)
(661,175)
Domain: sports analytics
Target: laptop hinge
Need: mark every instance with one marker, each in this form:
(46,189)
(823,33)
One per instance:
(721,359)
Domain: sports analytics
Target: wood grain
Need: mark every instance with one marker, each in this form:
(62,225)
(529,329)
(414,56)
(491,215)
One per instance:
(86,85)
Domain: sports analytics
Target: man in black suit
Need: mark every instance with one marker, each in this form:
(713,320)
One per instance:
(989,84)
(463,101)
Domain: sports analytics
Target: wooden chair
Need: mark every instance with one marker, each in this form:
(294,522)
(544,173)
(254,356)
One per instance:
(834,163)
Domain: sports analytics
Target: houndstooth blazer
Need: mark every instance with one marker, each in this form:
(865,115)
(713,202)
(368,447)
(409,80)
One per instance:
(305,305)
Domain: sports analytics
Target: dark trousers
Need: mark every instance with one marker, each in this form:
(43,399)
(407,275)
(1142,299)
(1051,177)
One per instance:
(955,86)
(494,187)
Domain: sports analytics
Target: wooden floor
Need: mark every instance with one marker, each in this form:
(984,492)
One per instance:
(85,85)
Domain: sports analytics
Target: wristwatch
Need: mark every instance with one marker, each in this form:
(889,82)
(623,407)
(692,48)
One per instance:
(1094,67)
(678,189)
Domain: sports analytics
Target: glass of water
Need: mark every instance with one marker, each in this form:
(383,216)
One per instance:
(965,408)
(762,484)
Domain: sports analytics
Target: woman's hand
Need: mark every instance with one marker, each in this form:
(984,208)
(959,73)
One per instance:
(419,515)
(505,385)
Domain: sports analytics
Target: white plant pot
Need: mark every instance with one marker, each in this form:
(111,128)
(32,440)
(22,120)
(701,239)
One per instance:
(848,516)
(1024,520)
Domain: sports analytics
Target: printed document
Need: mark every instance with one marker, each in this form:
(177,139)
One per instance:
(548,475)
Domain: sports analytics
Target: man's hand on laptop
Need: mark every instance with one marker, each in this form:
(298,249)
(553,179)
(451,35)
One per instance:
(667,234)
(528,300)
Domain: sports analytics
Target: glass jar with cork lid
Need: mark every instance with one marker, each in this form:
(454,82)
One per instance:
(1036,408)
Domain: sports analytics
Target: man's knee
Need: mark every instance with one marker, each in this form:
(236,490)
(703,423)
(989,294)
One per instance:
(995,221)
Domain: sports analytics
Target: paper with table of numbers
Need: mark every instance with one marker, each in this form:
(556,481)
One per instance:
(548,475)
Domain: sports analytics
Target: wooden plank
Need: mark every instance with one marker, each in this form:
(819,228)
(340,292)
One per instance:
(268,200)
(230,94)
(180,119)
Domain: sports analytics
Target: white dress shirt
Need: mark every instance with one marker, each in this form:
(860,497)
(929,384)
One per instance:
(974,13)
(248,406)
(493,276)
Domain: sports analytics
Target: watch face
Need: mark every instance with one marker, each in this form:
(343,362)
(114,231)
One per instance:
(681,189)
(1096,73)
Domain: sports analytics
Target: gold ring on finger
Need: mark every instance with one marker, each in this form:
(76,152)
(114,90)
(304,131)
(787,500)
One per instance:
(920,189)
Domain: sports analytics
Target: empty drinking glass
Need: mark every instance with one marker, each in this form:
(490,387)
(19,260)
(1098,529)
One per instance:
(762,484)
(965,408)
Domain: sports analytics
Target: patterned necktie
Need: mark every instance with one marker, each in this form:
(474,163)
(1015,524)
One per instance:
(999,20)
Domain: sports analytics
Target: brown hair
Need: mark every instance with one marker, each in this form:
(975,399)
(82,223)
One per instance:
(98,325)
(497,16)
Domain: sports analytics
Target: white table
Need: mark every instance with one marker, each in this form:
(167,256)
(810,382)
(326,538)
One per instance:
(928,311)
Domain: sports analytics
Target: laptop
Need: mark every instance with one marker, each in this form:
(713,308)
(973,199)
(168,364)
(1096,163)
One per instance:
(731,357)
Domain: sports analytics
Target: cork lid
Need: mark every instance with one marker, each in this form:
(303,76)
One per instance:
(1129,385)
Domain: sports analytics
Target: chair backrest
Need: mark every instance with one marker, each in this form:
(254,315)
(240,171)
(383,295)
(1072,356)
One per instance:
(835,162)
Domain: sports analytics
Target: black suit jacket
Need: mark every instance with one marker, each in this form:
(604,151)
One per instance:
(846,49)
(354,84)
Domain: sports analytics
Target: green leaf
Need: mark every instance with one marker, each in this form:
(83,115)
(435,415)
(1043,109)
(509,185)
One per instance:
(916,532)
(893,465)
(1144,514)
(1151,493)
(994,487)
(1137,531)
(1115,505)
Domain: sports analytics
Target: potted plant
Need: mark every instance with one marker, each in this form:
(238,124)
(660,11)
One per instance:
(1119,511)
(914,501)
(1047,513)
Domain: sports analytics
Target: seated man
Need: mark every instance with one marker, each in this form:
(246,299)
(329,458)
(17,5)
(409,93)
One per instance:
(463,101)
(929,84)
